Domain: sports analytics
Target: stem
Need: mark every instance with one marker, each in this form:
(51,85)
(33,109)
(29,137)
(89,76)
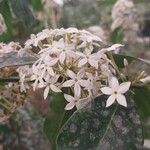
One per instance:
(9,79)
(6,107)
(6,101)
(122,77)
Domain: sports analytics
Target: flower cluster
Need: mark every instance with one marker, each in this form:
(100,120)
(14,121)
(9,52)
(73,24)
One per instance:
(70,61)
(6,48)
(3,27)
(123,15)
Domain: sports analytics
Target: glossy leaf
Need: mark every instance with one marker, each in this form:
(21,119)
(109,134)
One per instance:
(142,97)
(96,127)
(13,59)
(56,117)
(117,36)
(119,59)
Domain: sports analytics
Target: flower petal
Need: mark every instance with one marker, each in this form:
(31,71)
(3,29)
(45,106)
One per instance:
(83,102)
(71,74)
(113,83)
(62,57)
(93,63)
(70,105)
(68,83)
(107,90)
(80,54)
(124,87)
(55,88)
(46,91)
(121,100)
(69,98)
(80,74)
(84,83)
(82,62)
(53,62)
(110,100)
(50,71)
(77,90)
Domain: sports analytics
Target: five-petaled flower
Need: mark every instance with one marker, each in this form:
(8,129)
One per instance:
(73,101)
(116,92)
(76,81)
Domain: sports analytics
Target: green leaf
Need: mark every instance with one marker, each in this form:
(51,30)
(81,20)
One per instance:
(23,12)
(5,11)
(142,97)
(96,127)
(57,116)
(36,4)
(107,2)
(119,59)
(13,59)
(117,36)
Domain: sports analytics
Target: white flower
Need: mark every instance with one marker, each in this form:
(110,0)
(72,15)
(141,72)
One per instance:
(114,47)
(123,14)
(10,47)
(76,81)
(88,58)
(68,54)
(94,84)
(72,101)
(116,91)
(76,102)
(24,71)
(51,86)
(62,50)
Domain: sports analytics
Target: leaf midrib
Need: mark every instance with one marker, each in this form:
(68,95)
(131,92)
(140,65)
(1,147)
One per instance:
(108,126)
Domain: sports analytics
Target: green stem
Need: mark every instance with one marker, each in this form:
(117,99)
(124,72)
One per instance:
(122,77)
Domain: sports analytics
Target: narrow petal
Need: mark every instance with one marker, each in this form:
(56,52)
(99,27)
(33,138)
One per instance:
(81,74)
(93,63)
(62,57)
(68,83)
(83,102)
(84,83)
(53,62)
(82,62)
(110,100)
(71,54)
(70,105)
(46,91)
(71,74)
(124,87)
(69,98)
(121,100)
(50,71)
(43,72)
(77,90)
(80,54)
(55,88)
(107,90)
(114,84)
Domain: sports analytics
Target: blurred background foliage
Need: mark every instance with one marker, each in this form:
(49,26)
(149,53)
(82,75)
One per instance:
(23,17)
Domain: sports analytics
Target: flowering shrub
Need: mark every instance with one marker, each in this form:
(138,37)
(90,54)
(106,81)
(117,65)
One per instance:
(70,60)
(81,74)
